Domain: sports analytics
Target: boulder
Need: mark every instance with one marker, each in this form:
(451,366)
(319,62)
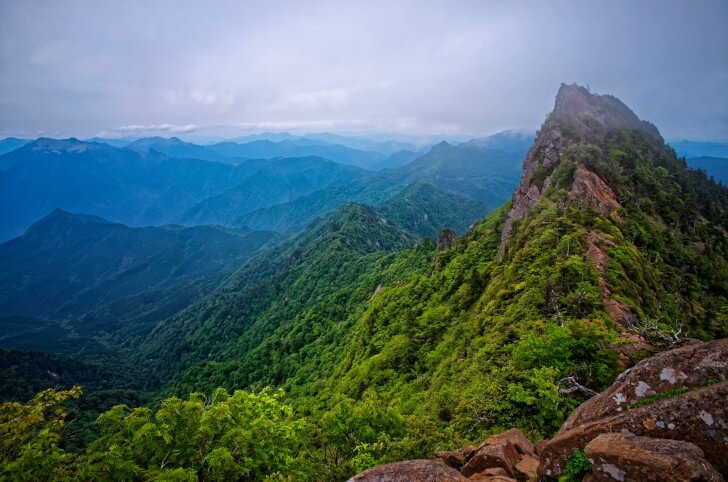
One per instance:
(692,365)
(420,470)
(502,454)
(469,451)
(454,459)
(516,437)
(528,466)
(623,458)
(490,478)
(699,416)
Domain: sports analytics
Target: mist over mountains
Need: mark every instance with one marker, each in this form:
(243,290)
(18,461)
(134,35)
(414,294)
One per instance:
(380,283)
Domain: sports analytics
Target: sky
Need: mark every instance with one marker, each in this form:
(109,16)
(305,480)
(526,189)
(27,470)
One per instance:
(420,68)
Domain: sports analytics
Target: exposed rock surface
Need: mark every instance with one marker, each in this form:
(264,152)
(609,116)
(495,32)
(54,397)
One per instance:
(528,466)
(587,113)
(687,366)
(591,190)
(414,470)
(502,454)
(699,416)
(597,245)
(500,457)
(514,436)
(546,151)
(454,459)
(623,458)
(679,394)
(664,419)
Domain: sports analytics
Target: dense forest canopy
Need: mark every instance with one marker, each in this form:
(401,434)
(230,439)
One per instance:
(377,333)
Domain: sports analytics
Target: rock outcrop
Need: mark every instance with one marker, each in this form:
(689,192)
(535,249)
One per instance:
(578,115)
(420,470)
(679,394)
(689,366)
(505,456)
(620,457)
(590,189)
(666,418)
(545,153)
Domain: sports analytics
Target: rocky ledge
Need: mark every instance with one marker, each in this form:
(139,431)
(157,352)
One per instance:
(665,419)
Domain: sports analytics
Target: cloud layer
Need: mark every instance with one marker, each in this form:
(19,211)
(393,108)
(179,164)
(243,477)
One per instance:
(421,68)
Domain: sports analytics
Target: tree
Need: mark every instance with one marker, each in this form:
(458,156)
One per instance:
(29,437)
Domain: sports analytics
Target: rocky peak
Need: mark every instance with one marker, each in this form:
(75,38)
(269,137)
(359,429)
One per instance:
(442,146)
(589,112)
(578,116)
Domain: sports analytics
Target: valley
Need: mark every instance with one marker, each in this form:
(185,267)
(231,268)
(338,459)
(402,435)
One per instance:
(356,317)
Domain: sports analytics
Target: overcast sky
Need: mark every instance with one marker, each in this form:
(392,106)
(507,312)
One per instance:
(455,68)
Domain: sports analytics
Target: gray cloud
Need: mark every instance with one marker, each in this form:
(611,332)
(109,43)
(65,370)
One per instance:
(421,68)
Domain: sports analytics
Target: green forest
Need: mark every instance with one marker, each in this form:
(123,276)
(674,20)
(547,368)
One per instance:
(376,336)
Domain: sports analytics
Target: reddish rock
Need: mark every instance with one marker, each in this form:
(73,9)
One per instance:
(593,191)
(699,416)
(687,366)
(503,455)
(454,459)
(495,474)
(538,446)
(516,437)
(622,457)
(411,470)
(469,451)
(490,478)
(495,471)
(528,466)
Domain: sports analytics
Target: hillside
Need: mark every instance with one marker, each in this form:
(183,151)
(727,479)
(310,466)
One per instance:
(592,263)
(120,185)
(485,175)
(345,251)
(715,167)
(589,267)
(270,182)
(425,210)
(77,276)
(610,249)
(10,144)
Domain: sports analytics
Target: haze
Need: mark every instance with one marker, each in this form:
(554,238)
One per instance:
(458,69)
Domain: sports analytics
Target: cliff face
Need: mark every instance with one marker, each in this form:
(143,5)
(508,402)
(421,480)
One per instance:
(603,158)
(578,116)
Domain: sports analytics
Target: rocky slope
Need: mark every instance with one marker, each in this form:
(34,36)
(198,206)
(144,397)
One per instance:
(664,419)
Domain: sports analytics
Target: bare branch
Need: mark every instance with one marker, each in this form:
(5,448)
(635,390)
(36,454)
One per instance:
(574,388)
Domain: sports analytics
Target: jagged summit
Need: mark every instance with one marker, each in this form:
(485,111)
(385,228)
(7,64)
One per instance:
(596,163)
(579,116)
(590,112)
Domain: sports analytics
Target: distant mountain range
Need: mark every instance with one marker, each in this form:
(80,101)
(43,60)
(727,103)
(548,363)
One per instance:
(10,144)
(71,277)
(155,181)
(688,149)
(717,167)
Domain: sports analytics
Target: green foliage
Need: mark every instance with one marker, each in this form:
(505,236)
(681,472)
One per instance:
(388,348)
(243,436)
(577,466)
(422,209)
(29,437)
